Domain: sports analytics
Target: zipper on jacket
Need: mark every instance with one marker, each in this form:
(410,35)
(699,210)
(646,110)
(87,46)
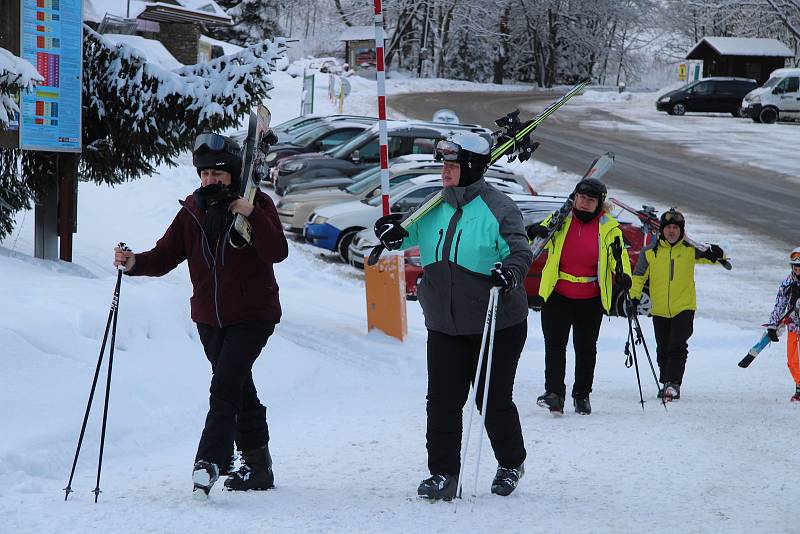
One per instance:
(669,284)
(213,265)
(458,240)
(438,243)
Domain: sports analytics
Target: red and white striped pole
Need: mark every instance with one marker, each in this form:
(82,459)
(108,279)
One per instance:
(383,136)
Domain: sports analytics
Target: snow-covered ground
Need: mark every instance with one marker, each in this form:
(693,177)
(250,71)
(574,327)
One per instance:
(347,408)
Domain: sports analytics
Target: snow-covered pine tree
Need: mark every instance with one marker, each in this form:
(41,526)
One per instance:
(253,21)
(137,115)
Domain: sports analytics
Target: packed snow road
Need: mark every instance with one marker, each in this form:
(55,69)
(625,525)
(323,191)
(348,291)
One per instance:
(661,171)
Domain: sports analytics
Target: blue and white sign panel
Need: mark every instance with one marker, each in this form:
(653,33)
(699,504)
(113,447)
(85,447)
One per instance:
(52,40)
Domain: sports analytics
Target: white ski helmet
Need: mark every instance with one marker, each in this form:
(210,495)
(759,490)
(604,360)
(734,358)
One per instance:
(470,150)
(794,256)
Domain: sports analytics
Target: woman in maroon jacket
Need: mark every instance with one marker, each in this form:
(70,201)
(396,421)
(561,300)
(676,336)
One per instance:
(234,303)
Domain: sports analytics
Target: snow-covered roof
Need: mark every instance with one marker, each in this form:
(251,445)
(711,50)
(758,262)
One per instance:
(359,33)
(227,48)
(152,50)
(743,46)
(95,10)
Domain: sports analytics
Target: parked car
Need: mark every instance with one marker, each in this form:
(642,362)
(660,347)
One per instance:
(333,227)
(534,210)
(320,137)
(404,137)
(294,208)
(287,131)
(778,98)
(718,94)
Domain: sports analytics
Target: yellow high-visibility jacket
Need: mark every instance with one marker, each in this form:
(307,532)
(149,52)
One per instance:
(608,233)
(670,269)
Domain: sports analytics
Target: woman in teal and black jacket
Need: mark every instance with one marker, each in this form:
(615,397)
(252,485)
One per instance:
(460,241)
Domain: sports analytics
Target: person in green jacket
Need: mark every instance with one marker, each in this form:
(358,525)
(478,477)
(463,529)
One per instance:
(460,241)
(576,287)
(668,264)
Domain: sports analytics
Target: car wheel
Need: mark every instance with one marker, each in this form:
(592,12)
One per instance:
(768,115)
(678,109)
(645,304)
(756,119)
(344,243)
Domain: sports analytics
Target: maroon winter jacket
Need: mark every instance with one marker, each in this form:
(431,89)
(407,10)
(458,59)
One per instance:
(230,285)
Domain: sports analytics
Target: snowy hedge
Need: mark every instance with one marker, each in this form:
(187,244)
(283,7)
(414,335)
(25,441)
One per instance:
(137,115)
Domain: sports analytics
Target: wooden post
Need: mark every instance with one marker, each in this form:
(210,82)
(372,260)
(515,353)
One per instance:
(67,169)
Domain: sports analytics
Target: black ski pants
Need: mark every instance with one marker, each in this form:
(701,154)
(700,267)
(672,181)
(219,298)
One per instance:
(235,412)
(671,345)
(452,362)
(584,317)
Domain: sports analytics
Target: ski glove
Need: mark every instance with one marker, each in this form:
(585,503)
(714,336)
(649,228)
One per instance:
(623,281)
(503,278)
(772,332)
(390,232)
(714,253)
(537,230)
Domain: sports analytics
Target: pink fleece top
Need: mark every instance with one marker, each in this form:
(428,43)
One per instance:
(579,257)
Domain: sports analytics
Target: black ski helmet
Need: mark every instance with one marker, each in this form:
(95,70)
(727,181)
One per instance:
(215,151)
(470,150)
(592,187)
(672,216)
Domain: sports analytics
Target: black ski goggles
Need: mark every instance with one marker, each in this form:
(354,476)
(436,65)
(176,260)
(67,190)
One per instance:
(447,151)
(211,142)
(673,217)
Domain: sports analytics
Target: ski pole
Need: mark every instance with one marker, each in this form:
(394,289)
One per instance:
(634,325)
(493,297)
(473,390)
(112,318)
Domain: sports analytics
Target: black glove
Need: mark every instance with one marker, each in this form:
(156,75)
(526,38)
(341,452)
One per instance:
(390,232)
(623,281)
(772,332)
(536,230)
(503,278)
(714,253)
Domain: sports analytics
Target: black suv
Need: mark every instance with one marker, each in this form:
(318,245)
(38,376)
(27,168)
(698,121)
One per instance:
(723,95)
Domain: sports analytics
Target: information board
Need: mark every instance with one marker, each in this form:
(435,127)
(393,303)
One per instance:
(51,38)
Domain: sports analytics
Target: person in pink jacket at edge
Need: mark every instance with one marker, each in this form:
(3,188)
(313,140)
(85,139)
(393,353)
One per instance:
(234,303)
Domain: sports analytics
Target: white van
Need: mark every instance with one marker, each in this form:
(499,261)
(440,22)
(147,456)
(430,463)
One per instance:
(779,98)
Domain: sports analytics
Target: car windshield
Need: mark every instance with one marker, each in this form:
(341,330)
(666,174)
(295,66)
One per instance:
(772,82)
(363,181)
(345,148)
(310,135)
(689,85)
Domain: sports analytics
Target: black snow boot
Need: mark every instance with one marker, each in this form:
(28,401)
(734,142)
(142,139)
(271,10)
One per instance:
(582,405)
(506,480)
(204,476)
(551,401)
(255,473)
(438,487)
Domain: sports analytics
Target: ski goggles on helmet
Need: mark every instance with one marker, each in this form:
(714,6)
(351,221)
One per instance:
(794,257)
(211,142)
(672,217)
(447,151)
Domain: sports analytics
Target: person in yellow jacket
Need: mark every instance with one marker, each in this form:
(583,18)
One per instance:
(668,263)
(576,287)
